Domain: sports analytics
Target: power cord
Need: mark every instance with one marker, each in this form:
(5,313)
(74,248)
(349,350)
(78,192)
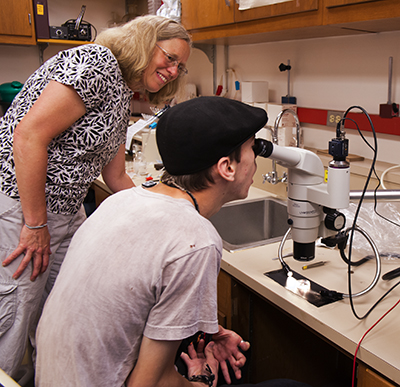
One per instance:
(369,330)
(380,179)
(354,225)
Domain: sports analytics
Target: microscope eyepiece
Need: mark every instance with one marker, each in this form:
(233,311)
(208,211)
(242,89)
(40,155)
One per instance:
(262,147)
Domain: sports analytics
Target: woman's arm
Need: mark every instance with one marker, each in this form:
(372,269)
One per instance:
(114,174)
(57,108)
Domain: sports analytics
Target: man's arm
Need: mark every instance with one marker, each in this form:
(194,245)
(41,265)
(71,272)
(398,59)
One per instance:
(228,347)
(155,365)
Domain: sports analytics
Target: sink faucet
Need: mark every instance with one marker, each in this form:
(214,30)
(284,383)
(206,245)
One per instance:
(272,177)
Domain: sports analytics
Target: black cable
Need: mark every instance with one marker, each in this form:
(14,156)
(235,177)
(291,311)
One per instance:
(358,263)
(375,152)
(376,175)
(379,300)
(340,240)
(95,32)
(353,227)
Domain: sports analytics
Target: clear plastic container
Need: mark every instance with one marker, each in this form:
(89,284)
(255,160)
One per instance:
(140,164)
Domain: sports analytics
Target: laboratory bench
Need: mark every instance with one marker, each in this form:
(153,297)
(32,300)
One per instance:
(291,337)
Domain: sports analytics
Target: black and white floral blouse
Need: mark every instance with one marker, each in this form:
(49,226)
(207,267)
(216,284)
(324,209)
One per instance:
(77,156)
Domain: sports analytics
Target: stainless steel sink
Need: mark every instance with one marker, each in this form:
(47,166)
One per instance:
(251,223)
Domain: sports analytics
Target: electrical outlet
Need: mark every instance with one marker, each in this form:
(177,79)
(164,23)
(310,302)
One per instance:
(333,118)
(388,110)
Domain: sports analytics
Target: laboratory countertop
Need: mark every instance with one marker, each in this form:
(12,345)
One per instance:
(380,349)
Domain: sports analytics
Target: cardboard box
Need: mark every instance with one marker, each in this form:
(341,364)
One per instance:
(255,91)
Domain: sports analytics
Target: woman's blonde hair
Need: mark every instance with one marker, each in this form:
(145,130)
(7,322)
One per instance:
(133,45)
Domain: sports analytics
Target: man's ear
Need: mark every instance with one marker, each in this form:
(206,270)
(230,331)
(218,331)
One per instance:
(226,168)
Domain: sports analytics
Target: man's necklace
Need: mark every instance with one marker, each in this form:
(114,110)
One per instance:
(170,182)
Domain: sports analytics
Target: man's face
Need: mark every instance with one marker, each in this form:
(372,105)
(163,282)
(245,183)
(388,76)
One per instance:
(245,169)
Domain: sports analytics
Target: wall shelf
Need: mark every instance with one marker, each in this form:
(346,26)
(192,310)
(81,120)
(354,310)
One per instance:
(63,41)
(44,43)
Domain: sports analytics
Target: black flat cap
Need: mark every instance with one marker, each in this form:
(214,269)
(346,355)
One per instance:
(193,135)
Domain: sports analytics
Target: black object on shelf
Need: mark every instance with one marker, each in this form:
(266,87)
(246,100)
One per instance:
(41,19)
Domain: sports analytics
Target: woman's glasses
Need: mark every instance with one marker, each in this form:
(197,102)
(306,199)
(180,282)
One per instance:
(172,62)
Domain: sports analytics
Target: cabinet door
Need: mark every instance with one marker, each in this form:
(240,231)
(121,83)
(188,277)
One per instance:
(207,13)
(280,9)
(368,15)
(16,22)
(368,378)
(224,300)
(339,3)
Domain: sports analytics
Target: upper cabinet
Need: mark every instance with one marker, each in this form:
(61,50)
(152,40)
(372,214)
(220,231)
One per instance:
(339,3)
(210,13)
(280,9)
(221,22)
(367,15)
(207,13)
(16,22)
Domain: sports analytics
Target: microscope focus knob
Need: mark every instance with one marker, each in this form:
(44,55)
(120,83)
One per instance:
(335,221)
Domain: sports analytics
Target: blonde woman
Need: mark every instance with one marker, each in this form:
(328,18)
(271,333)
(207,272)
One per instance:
(65,128)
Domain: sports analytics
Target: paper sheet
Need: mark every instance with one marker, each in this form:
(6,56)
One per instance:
(136,128)
(142,124)
(171,9)
(247,4)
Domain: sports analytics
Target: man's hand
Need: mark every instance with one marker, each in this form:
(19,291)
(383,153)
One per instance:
(197,360)
(227,347)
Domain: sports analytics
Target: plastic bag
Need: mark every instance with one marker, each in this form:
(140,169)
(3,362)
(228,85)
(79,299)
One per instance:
(384,234)
(171,9)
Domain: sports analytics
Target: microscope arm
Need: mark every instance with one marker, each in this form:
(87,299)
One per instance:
(306,177)
(308,194)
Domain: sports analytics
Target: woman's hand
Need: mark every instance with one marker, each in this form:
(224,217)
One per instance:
(228,346)
(35,244)
(197,361)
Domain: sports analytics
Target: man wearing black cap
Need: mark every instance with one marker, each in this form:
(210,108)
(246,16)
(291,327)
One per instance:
(141,273)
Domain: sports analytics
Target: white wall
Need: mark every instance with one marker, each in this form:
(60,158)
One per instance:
(327,73)
(332,73)
(200,72)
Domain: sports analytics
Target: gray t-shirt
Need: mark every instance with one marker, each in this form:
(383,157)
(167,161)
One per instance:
(142,264)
